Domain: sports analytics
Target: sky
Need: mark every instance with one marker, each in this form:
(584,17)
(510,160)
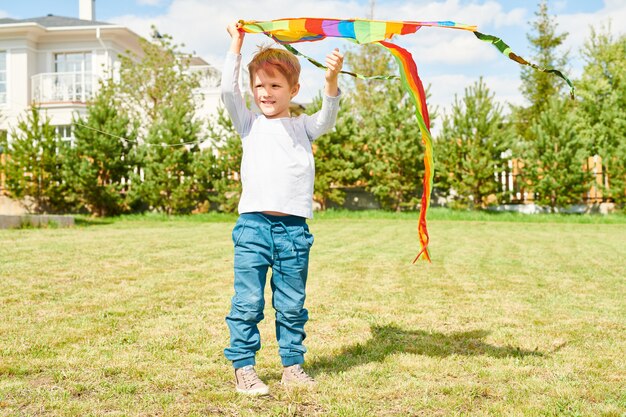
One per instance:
(448,60)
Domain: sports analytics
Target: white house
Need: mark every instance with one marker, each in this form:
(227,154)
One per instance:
(55,62)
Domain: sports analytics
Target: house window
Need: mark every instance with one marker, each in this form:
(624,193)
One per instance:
(73,71)
(72,62)
(65,134)
(3,77)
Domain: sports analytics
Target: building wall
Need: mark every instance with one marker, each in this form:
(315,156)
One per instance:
(19,68)
(26,58)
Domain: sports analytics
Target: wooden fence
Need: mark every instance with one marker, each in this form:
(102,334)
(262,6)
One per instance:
(510,179)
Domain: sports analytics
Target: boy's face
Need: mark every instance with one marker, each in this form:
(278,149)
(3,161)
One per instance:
(272,93)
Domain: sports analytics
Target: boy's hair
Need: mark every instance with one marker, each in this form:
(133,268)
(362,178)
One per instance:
(269,59)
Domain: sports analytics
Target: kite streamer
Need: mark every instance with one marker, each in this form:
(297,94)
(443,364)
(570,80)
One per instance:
(287,31)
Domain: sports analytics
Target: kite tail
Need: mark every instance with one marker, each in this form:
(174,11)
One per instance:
(285,31)
(506,51)
(413,84)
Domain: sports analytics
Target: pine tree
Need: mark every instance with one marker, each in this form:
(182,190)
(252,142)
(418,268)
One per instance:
(168,184)
(542,91)
(159,92)
(537,86)
(204,174)
(363,98)
(227,179)
(101,161)
(555,159)
(389,137)
(33,165)
(369,60)
(470,148)
(602,93)
(395,150)
(335,158)
(156,80)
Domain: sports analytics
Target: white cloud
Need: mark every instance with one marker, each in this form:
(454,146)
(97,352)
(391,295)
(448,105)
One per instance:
(200,25)
(578,25)
(149,2)
(445,87)
(450,47)
(489,13)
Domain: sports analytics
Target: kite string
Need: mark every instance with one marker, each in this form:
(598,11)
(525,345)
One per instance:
(322,66)
(164,145)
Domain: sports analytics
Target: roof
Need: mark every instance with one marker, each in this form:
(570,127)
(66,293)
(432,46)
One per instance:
(197,61)
(51,21)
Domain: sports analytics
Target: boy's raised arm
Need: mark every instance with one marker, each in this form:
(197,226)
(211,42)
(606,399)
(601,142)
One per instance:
(334,63)
(324,120)
(240,115)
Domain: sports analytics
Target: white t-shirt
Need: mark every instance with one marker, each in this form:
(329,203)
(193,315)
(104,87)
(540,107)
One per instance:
(277,167)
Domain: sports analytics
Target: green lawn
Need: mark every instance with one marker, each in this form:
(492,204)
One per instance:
(126,318)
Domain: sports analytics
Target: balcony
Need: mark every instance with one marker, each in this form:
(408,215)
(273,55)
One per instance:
(63,87)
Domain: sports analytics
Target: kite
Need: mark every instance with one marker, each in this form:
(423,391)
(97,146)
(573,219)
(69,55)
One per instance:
(362,31)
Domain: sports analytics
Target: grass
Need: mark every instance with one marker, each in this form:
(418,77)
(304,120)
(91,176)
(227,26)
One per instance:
(125,317)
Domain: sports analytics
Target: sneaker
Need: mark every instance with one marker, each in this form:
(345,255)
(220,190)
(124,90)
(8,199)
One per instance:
(295,375)
(248,382)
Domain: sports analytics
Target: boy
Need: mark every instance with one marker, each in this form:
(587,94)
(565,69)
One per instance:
(277,175)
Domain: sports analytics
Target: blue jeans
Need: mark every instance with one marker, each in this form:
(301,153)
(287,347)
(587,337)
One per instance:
(282,243)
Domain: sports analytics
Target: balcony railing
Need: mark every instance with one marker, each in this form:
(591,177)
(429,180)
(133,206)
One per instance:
(63,87)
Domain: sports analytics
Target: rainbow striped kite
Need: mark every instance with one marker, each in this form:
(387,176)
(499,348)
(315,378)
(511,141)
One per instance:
(286,31)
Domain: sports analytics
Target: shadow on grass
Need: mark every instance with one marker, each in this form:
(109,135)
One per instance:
(390,339)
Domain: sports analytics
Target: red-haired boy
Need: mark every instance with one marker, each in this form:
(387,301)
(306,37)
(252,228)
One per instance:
(277,175)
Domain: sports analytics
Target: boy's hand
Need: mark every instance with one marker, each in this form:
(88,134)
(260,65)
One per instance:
(334,63)
(236,34)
